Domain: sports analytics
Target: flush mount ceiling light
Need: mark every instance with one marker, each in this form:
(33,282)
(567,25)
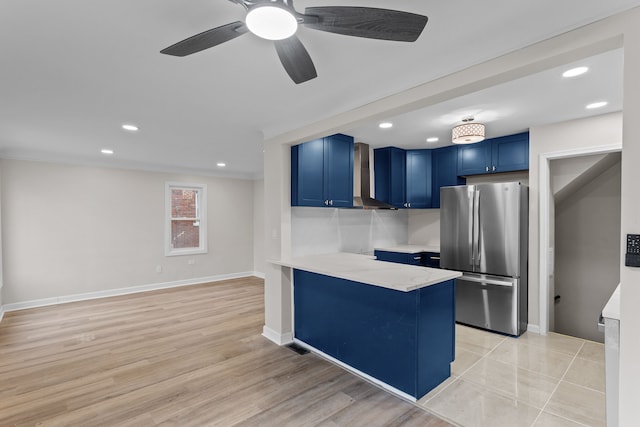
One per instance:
(131,128)
(221,164)
(432,139)
(271,22)
(468,132)
(385,125)
(574,72)
(106,151)
(596,105)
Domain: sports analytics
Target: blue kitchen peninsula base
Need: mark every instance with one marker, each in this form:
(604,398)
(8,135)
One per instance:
(405,340)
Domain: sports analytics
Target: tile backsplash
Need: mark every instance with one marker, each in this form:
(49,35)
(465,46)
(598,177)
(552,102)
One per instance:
(322,230)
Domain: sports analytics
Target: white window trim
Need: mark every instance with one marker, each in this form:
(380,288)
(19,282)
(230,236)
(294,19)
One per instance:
(202,188)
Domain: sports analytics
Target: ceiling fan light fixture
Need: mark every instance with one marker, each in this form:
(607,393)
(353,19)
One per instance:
(468,132)
(271,22)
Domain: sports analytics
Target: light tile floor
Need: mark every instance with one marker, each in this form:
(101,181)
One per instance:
(533,380)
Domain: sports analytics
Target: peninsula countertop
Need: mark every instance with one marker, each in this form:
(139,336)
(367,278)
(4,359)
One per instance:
(366,269)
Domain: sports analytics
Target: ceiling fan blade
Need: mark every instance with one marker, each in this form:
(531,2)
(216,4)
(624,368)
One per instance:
(295,60)
(206,39)
(368,22)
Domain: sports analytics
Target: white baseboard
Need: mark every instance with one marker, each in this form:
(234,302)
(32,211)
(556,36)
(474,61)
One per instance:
(533,328)
(259,274)
(276,337)
(122,291)
(361,374)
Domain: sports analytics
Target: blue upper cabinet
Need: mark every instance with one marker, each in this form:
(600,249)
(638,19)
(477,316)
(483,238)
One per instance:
(503,154)
(474,159)
(419,183)
(445,171)
(338,170)
(322,172)
(510,153)
(389,175)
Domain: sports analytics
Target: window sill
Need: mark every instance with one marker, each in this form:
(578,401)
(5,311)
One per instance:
(179,252)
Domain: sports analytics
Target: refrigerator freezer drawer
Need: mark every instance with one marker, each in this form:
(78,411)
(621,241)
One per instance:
(489,302)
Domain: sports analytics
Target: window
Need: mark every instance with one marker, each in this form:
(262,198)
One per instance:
(186,224)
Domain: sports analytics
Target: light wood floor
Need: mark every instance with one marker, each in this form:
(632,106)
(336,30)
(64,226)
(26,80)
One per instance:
(189,356)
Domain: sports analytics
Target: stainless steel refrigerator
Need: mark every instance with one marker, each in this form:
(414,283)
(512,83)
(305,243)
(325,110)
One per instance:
(484,234)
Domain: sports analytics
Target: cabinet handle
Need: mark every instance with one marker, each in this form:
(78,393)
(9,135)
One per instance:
(405,205)
(417,258)
(493,169)
(326,203)
(486,168)
(330,202)
(434,257)
(408,205)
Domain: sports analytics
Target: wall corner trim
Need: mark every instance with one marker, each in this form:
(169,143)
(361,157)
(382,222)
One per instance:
(122,291)
(535,329)
(1,312)
(276,337)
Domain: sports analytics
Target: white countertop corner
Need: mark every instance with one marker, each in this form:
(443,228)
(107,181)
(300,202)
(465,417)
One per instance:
(612,309)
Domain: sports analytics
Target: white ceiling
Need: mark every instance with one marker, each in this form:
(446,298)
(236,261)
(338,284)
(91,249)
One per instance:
(73,71)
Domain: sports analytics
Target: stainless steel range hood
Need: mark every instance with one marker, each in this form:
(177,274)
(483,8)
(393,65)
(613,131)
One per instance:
(362,180)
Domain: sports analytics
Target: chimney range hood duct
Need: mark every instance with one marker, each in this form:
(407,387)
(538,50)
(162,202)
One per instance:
(362,180)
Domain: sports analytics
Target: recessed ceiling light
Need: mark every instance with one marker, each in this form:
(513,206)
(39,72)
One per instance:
(221,164)
(596,105)
(131,128)
(432,139)
(107,151)
(385,125)
(575,72)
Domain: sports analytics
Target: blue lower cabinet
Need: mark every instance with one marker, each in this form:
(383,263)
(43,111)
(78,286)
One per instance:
(399,257)
(431,259)
(404,339)
(425,259)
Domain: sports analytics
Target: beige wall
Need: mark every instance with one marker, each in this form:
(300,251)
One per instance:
(73,229)
(258,227)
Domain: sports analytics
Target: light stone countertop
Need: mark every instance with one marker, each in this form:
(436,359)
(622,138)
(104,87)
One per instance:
(410,249)
(365,269)
(612,309)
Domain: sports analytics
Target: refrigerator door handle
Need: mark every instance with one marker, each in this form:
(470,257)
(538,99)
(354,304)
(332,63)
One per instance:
(490,281)
(476,227)
(470,193)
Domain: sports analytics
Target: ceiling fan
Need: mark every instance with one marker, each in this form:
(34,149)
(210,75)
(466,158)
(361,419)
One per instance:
(277,20)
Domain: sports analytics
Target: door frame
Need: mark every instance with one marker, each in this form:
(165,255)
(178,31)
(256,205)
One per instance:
(545,200)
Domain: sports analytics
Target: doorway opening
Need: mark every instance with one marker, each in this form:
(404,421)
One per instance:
(547,224)
(584,238)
